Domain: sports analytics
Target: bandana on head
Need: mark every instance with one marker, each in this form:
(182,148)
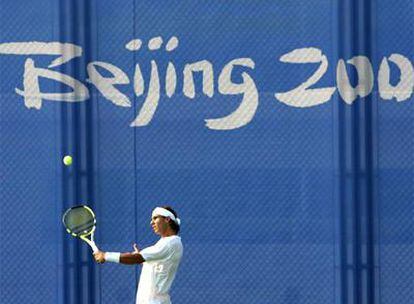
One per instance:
(165,213)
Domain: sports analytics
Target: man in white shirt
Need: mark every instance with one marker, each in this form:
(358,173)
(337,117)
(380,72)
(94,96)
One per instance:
(160,261)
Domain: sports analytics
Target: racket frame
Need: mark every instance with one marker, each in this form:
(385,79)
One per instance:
(84,237)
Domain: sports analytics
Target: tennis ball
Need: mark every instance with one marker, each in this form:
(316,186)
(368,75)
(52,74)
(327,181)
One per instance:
(67,160)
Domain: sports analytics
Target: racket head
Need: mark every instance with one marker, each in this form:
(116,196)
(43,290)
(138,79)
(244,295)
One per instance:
(79,221)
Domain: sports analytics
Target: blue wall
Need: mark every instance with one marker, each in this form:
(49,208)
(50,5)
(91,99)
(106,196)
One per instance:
(299,205)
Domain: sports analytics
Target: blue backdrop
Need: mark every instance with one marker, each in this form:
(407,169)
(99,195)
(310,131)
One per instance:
(302,203)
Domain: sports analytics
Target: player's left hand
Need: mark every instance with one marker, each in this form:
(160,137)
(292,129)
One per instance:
(99,257)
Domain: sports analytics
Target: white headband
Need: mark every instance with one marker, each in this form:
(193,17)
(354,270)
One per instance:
(165,213)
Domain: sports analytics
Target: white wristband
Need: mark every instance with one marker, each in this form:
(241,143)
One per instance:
(113,257)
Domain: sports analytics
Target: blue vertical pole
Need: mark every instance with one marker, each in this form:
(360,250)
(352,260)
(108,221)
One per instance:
(77,140)
(357,163)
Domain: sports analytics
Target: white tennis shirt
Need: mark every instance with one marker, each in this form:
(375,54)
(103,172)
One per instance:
(158,270)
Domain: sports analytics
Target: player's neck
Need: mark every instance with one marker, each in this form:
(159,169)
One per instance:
(168,233)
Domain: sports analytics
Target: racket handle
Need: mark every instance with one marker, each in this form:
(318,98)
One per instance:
(94,247)
(90,243)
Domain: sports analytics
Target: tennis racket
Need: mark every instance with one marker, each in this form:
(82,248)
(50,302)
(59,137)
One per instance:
(80,222)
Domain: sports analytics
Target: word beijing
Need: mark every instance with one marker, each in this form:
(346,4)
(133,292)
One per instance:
(302,96)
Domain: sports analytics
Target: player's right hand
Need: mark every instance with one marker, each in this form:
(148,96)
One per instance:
(136,249)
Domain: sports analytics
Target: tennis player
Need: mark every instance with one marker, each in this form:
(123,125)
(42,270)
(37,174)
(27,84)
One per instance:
(160,261)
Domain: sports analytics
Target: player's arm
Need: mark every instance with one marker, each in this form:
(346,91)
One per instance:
(131,258)
(128,258)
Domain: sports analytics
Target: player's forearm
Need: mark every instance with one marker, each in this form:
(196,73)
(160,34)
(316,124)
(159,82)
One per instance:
(128,258)
(131,258)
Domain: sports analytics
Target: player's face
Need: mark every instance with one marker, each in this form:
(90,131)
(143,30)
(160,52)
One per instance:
(159,224)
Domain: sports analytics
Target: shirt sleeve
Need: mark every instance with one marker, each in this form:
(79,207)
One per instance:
(158,251)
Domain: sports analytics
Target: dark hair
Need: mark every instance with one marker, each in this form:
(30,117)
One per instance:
(174,226)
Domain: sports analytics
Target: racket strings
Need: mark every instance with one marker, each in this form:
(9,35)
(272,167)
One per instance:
(79,221)
(84,228)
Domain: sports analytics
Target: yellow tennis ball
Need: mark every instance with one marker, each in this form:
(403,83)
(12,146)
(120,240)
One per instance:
(67,160)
